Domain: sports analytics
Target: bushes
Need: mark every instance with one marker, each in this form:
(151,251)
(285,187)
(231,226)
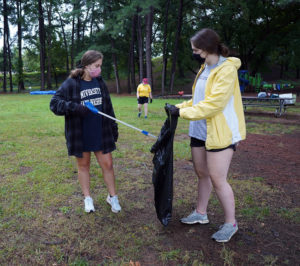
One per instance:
(33,79)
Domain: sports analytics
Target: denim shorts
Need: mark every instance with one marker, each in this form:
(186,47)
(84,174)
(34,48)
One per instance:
(201,143)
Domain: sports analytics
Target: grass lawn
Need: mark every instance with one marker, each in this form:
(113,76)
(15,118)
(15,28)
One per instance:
(42,221)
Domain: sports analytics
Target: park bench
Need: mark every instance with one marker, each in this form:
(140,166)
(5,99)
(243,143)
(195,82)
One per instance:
(279,103)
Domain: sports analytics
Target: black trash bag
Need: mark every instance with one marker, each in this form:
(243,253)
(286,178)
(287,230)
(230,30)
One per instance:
(162,177)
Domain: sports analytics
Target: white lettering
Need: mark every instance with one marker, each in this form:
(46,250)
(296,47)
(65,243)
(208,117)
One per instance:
(95,102)
(90,92)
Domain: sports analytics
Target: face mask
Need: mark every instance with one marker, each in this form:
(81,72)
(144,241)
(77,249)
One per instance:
(95,72)
(198,58)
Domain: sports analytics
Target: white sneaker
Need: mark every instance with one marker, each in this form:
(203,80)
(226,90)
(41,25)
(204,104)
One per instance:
(114,203)
(88,205)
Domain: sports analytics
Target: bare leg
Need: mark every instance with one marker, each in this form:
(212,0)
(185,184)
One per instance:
(106,163)
(83,165)
(204,182)
(146,108)
(139,108)
(218,164)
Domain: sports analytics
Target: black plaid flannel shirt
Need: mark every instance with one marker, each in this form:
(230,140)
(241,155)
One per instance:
(65,101)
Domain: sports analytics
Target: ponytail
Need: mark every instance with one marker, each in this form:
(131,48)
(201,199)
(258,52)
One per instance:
(223,50)
(77,72)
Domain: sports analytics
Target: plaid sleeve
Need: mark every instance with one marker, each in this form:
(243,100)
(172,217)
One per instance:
(60,104)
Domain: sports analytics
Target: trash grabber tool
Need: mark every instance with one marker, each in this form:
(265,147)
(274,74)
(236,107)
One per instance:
(96,111)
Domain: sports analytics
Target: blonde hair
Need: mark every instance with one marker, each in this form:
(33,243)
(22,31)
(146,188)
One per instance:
(89,57)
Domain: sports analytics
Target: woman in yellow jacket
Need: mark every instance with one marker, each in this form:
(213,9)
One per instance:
(217,125)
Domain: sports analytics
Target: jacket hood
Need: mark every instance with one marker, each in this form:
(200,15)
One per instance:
(232,61)
(229,61)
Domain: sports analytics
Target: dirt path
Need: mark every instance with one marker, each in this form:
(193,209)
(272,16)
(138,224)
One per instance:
(273,159)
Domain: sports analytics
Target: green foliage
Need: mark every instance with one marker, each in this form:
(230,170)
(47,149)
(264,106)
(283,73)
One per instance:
(291,215)
(65,209)
(254,28)
(270,260)
(170,255)
(261,33)
(228,256)
(80,262)
(256,212)
(258,125)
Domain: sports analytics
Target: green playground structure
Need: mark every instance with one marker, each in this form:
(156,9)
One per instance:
(277,86)
(258,84)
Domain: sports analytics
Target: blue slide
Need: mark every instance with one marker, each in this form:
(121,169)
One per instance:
(42,92)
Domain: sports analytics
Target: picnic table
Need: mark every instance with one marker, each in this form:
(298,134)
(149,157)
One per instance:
(279,103)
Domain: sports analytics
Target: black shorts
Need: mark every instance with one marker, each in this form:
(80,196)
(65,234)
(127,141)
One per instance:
(142,100)
(201,143)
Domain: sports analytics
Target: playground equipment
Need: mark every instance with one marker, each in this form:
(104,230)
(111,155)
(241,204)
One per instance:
(245,80)
(277,86)
(42,92)
(258,84)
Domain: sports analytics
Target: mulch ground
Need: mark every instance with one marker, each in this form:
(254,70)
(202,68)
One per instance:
(275,159)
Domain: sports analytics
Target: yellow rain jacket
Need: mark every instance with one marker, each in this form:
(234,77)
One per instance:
(222,107)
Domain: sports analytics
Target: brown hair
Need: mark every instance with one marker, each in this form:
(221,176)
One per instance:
(209,41)
(89,57)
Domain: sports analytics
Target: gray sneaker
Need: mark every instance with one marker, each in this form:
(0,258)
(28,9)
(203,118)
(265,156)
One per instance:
(194,218)
(226,231)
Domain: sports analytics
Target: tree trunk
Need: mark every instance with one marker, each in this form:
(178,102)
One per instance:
(65,43)
(9,64)
(108,14)
(72,43)
(21,86)
(92,20)
(149,22)
(78,35)
(178,32)
(49,44)
(7,46)
(128,75)
(115,64)
(78,29)
(131,55)
(140,48)
(5,43)
(165,55)
(129,70)
(55,77)
(84,25)
(42,44)
(180,69)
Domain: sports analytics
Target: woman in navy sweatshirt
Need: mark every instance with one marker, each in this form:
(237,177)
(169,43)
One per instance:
(85,131)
